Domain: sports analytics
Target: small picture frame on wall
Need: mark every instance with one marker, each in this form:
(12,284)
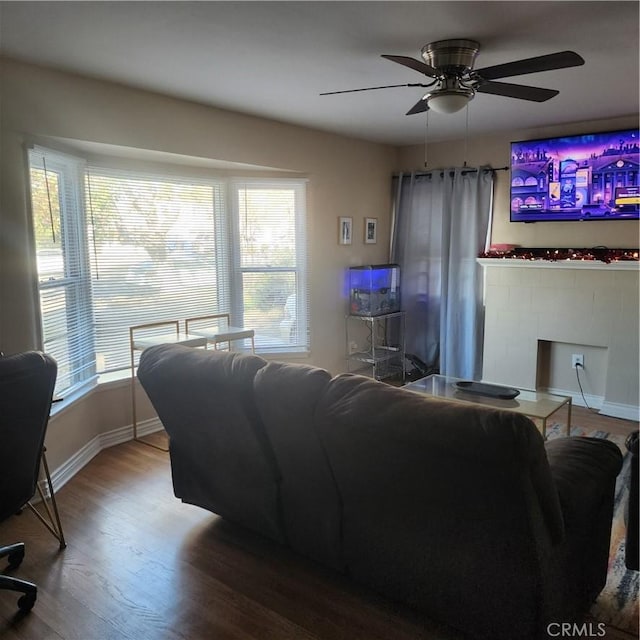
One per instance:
(370,230)
(345,230)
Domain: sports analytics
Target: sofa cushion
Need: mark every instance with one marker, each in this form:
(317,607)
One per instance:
(581,469)
(584,471)
(287,396)
(221,458)
(433,493)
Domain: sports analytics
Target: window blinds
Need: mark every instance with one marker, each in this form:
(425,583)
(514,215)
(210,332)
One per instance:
(157,253)
(118,248)
(270,264)
(64,285)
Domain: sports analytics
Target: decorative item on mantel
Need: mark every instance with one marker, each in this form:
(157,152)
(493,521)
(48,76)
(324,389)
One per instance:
(604,254)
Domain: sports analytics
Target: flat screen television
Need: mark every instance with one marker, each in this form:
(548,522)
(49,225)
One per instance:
(585,177)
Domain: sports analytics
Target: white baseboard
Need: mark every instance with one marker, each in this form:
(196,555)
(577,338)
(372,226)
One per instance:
(595,402)
(62,474)
(613,409)
(624,411)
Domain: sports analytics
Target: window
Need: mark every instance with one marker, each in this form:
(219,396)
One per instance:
(269,271)
(64,283)
(154,255)
(118,248)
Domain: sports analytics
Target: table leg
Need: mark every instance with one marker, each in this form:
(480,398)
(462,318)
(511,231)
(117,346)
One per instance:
(569,417)
(134,420)
(544,428)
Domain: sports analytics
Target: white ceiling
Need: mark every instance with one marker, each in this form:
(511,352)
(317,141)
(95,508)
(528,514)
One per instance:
(273,59)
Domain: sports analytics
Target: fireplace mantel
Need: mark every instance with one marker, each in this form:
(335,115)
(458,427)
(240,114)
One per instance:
(618,265)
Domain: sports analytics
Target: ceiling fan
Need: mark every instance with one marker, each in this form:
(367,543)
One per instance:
(455,82)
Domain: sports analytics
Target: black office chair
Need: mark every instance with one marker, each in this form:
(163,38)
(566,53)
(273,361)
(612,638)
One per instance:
(26,390)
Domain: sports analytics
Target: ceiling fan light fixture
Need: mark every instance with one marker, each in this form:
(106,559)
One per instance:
(449,64)
(445,101)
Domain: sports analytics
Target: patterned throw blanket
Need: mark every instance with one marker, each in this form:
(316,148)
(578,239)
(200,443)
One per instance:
(617,605)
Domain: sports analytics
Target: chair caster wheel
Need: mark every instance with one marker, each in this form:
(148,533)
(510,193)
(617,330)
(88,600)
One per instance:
(26,602)
(14,559)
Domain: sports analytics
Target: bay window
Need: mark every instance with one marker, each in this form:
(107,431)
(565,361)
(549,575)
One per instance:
(119,248)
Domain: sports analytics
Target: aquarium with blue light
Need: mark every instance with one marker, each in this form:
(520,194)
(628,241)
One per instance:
(374,289)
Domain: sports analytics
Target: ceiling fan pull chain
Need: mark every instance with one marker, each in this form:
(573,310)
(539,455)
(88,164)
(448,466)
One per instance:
(466,135)
(426,138)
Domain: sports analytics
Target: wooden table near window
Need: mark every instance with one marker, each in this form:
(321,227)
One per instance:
(141,337)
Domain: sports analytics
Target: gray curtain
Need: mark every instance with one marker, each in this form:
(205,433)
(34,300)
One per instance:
(441,224)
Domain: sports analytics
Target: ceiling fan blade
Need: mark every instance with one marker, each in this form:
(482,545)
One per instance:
(414,64)
(520,91)
(388,86)
(560,60)
(419,107)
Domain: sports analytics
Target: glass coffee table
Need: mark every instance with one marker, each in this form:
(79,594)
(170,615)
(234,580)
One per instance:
(534,404)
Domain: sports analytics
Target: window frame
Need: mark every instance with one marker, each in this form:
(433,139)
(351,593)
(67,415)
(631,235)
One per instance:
(76,280)
(299,269)
(75,219)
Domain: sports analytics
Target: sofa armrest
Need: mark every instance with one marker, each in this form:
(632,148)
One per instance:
(583,469)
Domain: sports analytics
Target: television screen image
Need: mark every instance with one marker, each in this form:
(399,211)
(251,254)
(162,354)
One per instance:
(585,177)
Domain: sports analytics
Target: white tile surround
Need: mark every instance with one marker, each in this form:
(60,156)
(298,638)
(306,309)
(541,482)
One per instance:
(588,303)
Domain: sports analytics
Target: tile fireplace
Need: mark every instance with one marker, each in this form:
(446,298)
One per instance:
(537,312)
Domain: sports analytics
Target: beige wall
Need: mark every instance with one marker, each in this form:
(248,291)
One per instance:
(494,150)
(346,177)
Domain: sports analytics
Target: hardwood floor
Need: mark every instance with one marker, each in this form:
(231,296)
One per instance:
(141,565)
(593,420)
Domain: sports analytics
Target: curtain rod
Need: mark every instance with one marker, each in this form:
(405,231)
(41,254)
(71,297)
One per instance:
(428,173)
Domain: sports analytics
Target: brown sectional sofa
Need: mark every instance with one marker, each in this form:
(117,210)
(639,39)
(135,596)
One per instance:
(461,511)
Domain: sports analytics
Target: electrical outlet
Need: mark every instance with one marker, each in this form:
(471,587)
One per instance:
(577,359)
